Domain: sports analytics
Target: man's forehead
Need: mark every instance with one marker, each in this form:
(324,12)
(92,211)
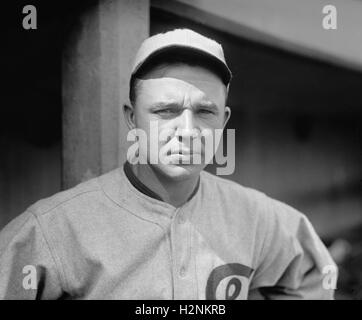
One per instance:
(174,88)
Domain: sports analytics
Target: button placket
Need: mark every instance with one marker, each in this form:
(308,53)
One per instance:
(180,235)
(181,219)
(182,271)
(182,238)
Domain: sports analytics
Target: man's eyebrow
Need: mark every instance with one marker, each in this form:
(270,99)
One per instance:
(174,105)
(161,105)
(208,105)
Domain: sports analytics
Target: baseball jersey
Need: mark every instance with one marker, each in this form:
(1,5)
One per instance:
(106,239)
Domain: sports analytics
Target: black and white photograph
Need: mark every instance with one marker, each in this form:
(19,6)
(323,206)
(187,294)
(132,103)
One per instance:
(181,150)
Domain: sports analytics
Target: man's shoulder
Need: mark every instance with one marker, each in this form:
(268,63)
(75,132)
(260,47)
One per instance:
(255,199)
(85,192)
(230,187)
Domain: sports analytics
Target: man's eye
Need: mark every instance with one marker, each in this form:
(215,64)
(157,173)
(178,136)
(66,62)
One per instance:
(164,112)
(205,111)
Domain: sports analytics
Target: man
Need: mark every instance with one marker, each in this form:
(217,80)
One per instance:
(166,229)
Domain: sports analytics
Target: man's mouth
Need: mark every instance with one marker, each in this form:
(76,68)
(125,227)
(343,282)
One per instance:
(185,153)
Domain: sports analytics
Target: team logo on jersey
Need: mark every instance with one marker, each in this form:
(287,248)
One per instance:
(228,282)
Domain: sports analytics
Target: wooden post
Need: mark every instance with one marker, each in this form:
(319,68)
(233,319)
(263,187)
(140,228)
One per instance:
(96,69)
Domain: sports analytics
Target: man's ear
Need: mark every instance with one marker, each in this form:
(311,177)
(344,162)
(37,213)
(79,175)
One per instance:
(227,115)
(128,111)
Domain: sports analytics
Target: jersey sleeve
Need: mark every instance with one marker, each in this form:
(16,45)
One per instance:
(27,267)
(294,263)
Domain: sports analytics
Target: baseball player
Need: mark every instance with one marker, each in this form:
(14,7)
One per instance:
(167,229)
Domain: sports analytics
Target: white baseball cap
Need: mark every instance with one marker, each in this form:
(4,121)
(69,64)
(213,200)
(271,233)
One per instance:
(182,40)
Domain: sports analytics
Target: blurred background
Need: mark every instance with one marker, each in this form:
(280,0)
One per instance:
(295,97)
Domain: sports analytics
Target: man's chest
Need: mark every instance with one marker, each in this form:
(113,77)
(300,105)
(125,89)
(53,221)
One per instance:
(186,258)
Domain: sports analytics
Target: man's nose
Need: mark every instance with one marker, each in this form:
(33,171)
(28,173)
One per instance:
(186,125)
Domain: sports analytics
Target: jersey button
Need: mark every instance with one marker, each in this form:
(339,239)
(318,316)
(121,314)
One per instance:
(182,272)
(181,219)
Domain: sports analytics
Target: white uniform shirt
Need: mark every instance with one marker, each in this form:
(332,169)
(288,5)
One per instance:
(104,239)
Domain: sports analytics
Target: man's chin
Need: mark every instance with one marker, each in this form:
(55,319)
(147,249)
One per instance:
(179,172)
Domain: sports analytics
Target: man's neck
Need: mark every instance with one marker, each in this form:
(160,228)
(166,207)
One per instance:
(173,192)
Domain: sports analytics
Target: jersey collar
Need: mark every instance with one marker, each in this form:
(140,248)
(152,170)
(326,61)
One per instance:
(120,189)
(137,183)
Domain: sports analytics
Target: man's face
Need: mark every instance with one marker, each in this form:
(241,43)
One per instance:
(183,101)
